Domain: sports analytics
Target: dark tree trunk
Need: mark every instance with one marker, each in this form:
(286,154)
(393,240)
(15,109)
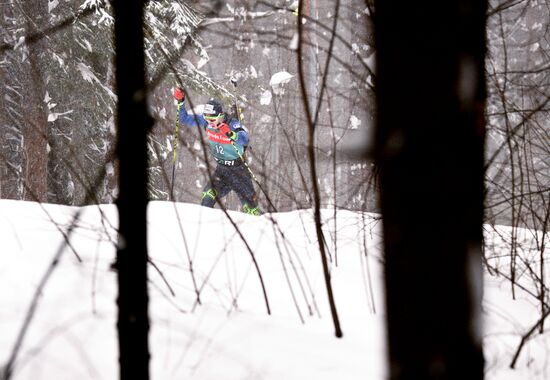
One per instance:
(10,145)
(133,124)
(63,156)
(430,141)
(35,124)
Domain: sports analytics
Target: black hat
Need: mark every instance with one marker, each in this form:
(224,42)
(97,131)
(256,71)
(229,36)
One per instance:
(212,108)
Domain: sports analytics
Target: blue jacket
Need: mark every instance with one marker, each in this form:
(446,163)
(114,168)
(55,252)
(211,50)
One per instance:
(220,145)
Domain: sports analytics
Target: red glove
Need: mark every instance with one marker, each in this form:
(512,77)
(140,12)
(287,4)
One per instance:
(179,94)
(224,128)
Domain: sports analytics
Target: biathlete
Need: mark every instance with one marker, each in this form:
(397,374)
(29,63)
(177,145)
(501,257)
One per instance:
(228,140)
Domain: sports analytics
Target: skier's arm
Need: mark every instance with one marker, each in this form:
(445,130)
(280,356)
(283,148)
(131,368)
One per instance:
(238,133)
(189,120)
(193,120)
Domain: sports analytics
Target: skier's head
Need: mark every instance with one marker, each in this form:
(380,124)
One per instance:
(213,112)
(212,108)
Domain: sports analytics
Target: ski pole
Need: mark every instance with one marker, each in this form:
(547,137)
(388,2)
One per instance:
(175,151)
(244,162)
(234,82)
(253,176)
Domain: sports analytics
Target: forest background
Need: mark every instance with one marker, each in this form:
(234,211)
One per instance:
(57,113)
(58,105)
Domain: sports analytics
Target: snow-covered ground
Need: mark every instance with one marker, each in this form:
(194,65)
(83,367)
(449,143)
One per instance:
(229,335)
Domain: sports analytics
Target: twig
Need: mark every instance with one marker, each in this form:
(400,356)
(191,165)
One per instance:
(526,337)
(311,154)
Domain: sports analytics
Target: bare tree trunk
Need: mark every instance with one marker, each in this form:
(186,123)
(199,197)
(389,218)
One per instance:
(35,125)
(430,139)
(10,145)
(63,158)
(133,124)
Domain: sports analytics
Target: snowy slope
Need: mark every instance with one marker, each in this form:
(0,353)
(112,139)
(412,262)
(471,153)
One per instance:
(229,335)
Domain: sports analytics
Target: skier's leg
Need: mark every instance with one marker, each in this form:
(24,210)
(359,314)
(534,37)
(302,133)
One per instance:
(252,210)
(241,183)
(215,189)
(208,196)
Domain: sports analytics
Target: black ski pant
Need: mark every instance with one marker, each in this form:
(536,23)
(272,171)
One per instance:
(227,178)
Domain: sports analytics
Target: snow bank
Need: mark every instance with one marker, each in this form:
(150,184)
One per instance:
(229,335)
